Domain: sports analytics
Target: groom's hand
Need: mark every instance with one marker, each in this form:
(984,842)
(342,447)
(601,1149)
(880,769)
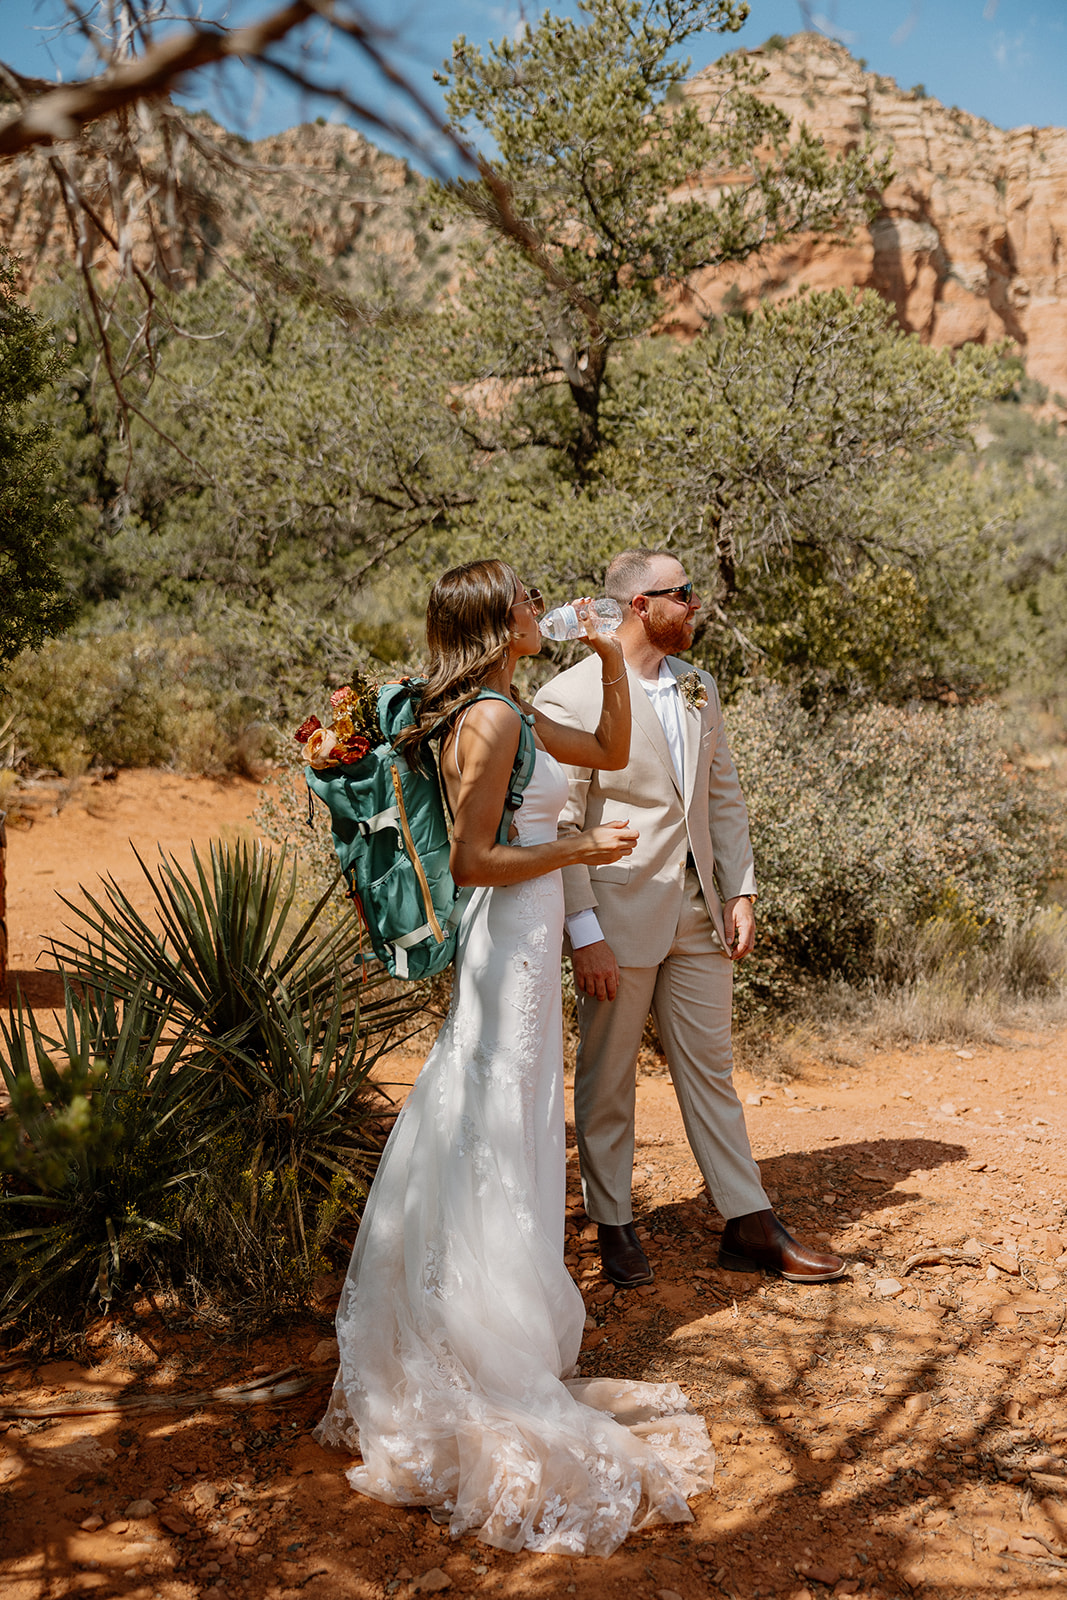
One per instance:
(596,972)
(740,922)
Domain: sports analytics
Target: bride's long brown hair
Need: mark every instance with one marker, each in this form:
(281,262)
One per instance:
(468,637)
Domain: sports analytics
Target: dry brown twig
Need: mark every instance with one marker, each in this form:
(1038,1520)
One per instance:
(48,112)
(942,1256)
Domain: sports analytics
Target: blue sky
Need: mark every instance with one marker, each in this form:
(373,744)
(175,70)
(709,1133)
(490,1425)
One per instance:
(1005,60)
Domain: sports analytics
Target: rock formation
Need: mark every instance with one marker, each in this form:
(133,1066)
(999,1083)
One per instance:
(970,241)
(967,244)
(325,182)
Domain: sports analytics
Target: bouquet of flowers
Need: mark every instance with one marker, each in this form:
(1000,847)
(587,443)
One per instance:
(352,733)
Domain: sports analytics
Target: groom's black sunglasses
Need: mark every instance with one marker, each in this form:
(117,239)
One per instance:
(680,591)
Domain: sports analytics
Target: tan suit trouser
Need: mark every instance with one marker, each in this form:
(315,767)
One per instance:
(690,995)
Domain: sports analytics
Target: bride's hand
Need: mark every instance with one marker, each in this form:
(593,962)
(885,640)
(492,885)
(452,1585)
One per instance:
(608,842)
(605,645)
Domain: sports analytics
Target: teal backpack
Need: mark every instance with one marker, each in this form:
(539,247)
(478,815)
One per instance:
(391,834)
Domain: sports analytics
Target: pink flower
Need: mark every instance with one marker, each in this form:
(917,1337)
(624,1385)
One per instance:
(341,696)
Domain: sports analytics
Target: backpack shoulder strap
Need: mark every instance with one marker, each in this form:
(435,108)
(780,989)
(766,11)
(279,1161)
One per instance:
(525,756)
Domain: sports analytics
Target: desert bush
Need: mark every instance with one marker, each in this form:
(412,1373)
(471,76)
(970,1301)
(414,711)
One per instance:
(881,836)
(213,1121)
(884,838)
(93,1148)
(133,699)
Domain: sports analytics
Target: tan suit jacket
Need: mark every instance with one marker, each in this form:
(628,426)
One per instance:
(638,900)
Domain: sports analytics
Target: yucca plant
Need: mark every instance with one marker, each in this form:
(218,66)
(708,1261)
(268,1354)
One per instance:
(307,1090)
(296,1163)
(216,936)
(221,956)
(266,1037)
(101,1133)
(308,1117)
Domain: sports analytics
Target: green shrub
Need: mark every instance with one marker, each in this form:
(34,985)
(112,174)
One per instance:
(869,826)
(133,699)
(94,1148)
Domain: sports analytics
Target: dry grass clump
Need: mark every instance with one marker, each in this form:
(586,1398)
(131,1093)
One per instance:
(939,987)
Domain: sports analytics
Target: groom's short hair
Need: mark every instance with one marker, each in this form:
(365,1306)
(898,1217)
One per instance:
(630,571)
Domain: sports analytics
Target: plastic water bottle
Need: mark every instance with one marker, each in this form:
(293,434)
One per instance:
(564,622)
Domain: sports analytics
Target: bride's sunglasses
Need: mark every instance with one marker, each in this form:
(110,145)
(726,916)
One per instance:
(535,600)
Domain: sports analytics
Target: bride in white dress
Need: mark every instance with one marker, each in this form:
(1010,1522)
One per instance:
(459,1326)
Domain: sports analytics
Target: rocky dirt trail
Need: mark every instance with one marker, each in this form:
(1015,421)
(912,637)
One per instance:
(901,1431)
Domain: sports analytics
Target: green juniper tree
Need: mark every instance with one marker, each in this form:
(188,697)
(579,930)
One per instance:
(806,464)
(611,187)
(805,460)
(318,456)
(1025,460)
(33,600)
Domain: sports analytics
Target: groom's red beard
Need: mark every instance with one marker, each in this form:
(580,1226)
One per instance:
(670,634)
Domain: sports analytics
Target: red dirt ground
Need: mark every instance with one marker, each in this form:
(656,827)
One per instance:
(901,1431)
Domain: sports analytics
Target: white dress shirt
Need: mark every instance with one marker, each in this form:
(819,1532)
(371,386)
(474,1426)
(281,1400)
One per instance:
(583,927)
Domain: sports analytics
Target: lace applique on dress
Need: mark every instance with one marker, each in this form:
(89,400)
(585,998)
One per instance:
(438,1274)
(459,1325)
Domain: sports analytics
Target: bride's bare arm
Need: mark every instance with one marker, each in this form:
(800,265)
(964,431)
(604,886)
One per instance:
(489,740)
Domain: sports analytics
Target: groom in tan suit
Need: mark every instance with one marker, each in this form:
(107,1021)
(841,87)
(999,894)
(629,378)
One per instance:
(660,931)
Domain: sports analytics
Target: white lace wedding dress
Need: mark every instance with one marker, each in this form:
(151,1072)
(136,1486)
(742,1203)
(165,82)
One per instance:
(459,1325)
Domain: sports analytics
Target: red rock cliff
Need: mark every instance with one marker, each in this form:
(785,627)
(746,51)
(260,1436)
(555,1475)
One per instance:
(967,245)
(971,241)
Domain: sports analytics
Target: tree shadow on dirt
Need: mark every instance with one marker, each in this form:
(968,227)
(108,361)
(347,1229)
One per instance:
(866,1445)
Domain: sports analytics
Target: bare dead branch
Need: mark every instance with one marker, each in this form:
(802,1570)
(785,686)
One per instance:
(126,180)
(61,113)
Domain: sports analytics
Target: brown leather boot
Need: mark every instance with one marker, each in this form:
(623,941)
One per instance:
(760,1240)
(621,1256)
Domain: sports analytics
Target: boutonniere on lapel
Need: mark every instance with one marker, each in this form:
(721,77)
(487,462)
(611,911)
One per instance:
(693,690)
